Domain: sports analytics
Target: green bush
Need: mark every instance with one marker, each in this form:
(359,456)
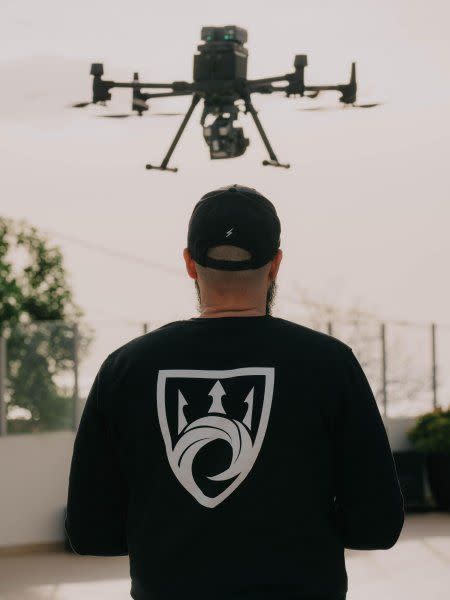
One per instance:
(431,433)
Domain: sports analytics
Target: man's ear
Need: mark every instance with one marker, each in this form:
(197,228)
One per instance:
(275,265)
(190,264)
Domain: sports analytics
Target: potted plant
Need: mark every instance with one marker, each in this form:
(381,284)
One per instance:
(431,436)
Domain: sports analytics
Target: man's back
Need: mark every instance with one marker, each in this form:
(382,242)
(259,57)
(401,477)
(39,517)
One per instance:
(233,451)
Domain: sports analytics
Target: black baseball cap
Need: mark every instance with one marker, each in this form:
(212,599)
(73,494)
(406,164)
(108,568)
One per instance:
(234,215)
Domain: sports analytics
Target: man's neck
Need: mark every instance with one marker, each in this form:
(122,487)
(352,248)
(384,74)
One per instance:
(214,311)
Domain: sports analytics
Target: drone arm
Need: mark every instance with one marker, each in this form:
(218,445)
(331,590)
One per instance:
(264,85)
(101,87)
(269,89)
(175,86)
(323,88)
(295,80)
(167,94)
(265,80)
(140,84)
(296,83)
(163,166)
(348,90)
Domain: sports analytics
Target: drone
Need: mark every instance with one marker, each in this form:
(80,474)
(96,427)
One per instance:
(220,81)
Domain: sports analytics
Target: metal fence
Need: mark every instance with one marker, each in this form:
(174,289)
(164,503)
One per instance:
(47,368)
(407,364)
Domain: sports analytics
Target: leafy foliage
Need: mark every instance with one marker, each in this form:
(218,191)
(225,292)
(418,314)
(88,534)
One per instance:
(431,433)
(37,317)
(39,290)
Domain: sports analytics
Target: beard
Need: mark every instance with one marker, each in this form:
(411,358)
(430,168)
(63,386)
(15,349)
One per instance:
(270,296)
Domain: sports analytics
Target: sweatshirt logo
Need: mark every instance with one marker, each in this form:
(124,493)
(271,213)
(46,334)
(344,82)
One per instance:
(213,424)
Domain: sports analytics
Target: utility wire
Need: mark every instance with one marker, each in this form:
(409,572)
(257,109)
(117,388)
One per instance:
(342,316)
(144,262)
(139,260)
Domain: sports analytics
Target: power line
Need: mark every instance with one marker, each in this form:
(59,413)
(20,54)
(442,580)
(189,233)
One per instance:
(138,260)
(337,315)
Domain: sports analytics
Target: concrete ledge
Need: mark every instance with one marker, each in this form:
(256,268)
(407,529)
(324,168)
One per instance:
(22,549)
(35,471)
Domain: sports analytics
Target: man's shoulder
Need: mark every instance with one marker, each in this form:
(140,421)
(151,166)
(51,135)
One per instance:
(313,338)
(157,336)
(283,331)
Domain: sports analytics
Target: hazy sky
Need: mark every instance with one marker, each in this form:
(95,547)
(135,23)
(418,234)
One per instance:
(364,209)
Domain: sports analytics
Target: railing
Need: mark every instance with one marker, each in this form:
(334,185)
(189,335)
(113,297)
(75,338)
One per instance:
(47,368)
(404,363)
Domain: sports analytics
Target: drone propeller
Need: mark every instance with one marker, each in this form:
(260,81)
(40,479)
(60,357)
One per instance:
(80,104)
(119,116)
(370,105)
(126,115)
(87,103)
(344,107)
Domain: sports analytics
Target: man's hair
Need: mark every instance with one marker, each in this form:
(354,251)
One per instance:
(232,279)
(229,252)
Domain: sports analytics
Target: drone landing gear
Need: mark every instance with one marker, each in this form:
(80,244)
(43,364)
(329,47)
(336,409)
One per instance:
(163,166)
(273,162)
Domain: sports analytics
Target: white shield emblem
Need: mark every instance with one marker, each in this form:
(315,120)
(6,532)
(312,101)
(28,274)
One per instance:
(213,423)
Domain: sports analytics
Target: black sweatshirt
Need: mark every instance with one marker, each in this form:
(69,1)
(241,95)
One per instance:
(233,456)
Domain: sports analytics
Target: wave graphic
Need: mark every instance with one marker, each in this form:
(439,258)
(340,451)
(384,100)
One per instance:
(203,431)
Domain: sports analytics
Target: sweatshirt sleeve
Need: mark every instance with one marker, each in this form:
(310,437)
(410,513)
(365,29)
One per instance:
(96,505)
(369,502)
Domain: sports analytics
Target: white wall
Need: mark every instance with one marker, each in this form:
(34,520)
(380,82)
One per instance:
(397,428)
(34,471)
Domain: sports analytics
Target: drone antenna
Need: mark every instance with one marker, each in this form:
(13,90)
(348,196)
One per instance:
(353,75)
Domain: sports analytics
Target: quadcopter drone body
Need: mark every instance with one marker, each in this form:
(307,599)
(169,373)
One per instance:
(220,80)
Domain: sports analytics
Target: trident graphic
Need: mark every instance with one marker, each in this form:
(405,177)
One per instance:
(217,393)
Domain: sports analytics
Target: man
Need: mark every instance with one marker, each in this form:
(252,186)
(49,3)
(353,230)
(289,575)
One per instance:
(234,454)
